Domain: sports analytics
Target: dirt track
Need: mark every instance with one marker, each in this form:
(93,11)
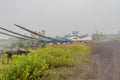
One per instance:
(106,61)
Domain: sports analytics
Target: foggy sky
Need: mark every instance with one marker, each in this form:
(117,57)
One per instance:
(59,17)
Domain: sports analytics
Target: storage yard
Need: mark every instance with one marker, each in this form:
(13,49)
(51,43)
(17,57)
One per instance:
(59,39)
(71,57)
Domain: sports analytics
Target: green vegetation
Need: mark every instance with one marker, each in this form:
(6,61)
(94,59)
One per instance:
(14,44)
(19,44)
(39,64)
(5,42)
(100,36)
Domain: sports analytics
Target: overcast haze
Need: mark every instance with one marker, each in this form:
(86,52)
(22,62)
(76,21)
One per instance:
(58,17)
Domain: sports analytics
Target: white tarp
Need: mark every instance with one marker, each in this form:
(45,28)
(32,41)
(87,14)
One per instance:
(80,39)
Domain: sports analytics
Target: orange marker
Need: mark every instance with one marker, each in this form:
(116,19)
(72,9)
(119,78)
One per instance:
(58,43)
(50,43)
(64,43)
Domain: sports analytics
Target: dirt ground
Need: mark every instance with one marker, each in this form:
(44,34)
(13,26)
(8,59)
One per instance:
(105,61)
(104,64)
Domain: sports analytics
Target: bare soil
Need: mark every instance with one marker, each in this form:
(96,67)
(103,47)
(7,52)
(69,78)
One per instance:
(104,64)
(105,61)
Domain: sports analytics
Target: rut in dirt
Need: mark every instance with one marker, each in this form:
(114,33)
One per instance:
(106,56)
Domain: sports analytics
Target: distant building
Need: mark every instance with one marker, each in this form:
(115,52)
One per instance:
(75,33)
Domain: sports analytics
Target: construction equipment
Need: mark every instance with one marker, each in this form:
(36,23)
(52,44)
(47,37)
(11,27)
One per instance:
(24,37)
(46,38)
(16,33)
(39,41)
(35,32)
(13,36)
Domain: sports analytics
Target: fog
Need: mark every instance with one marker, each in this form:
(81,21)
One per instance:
(59,17)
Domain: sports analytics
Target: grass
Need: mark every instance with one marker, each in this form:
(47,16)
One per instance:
(42,64)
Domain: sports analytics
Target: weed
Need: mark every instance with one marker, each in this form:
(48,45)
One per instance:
(37,64)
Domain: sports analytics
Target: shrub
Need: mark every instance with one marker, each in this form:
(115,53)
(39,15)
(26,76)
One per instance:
(38,62)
